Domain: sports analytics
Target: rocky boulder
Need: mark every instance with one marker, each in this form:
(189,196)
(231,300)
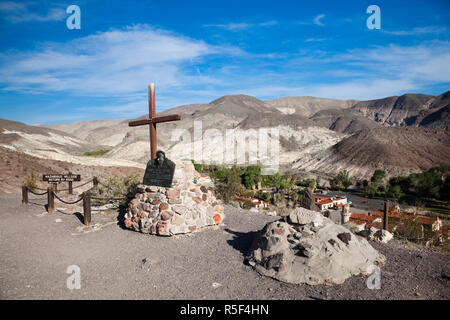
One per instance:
(187,206)
(311,249)
(379,235)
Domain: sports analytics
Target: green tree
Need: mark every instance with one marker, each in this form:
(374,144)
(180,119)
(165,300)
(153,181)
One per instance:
(395,192)
(251,176)
(231,186)
(341,181)
(378,177)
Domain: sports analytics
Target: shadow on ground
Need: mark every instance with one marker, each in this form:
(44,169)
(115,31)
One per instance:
(242,240)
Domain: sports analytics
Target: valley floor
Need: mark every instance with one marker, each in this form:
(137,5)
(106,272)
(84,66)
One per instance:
(36,249)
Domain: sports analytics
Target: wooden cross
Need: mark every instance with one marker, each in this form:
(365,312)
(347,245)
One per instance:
(153,120)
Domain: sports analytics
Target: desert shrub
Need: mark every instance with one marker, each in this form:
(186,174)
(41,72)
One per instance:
(30,182)
(230,187)
(235,204)
(246,204)
(407,229)
(278,199)
(97,153)
(266,196)
(117,187)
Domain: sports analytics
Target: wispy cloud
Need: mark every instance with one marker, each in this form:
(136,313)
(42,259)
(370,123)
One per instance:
(317,20)
(232,26)
(418,31)
(116,65)
(315,39)
(16,12)
(116,62)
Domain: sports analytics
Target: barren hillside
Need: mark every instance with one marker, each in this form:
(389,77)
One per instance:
(16,166)
(398,151)
(308,106)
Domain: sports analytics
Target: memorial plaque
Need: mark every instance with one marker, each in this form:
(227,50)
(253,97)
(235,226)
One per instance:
(159,171)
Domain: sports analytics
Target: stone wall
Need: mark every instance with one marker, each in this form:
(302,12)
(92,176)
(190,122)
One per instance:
(187,206)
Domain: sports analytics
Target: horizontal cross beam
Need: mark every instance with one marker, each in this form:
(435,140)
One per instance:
(154,120)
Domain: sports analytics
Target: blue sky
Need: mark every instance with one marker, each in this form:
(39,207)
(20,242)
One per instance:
(197,51)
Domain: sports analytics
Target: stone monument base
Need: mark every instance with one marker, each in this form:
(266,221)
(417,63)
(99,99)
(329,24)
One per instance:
(187,206)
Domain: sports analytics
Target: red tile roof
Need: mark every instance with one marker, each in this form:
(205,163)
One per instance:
(358,222)
(363,217)
(324,201)
(421,219)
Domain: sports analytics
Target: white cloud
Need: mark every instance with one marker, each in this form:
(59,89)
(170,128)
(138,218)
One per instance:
(117,62)
(317,20)
(426,63)
(232,26)
(16,12)
(418,31)
(315,39)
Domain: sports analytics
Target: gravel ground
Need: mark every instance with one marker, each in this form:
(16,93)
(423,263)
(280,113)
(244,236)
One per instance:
(36,249)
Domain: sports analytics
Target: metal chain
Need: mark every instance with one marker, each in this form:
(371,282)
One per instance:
(38,194)
(66,202)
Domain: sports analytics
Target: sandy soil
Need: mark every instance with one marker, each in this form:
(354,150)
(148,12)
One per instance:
(36,249)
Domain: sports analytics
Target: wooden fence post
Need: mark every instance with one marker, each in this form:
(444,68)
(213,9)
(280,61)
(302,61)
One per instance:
(87,207)
(50,200)
(386,216)
(24,195)
(95,180)
(70,187)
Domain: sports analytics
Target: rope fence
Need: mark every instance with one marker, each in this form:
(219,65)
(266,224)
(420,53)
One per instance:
(66,202)
(85,197)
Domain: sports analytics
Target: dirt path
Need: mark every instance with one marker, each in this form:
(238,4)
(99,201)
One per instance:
(36,250)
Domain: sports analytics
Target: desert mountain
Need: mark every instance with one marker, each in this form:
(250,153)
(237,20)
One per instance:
(316,134)
(48,143)
(81,129)
(308,106)
(235,112)
(398,151)
(408,109)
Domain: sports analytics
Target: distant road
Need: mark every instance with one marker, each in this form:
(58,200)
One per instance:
(359,201)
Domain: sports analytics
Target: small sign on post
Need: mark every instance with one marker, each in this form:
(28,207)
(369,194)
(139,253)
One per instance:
(55,179)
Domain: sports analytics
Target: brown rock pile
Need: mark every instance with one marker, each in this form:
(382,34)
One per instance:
(187,206)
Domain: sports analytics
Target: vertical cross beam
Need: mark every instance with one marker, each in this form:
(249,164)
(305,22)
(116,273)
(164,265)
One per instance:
(153,120)
(152,115)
